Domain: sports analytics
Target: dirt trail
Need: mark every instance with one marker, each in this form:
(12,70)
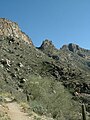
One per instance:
(15,113)
(11,109)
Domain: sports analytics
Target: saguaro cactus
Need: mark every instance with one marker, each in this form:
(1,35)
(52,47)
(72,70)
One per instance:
(83,112)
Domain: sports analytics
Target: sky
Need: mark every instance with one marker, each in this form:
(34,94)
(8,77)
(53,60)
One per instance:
(61,21)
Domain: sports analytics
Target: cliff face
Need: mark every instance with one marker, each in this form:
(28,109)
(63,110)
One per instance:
(12,30)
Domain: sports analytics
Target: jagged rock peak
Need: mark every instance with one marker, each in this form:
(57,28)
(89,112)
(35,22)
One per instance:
(72,47)
(12,30)
(47,44)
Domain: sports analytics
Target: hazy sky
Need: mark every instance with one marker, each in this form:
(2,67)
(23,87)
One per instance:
(62,21)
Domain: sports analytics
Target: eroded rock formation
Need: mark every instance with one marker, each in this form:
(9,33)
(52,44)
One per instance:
(12,30)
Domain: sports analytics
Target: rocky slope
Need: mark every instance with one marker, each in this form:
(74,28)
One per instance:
(12,30)
(53,82)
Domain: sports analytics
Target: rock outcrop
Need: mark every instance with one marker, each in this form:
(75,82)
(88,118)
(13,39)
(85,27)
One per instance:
(71,47)
(12,30)
(47,44)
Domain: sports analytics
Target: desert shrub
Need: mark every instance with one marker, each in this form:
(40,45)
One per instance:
(37,107)
(49,96)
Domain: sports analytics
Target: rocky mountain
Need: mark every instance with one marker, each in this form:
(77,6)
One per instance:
(12,30)
(54,82)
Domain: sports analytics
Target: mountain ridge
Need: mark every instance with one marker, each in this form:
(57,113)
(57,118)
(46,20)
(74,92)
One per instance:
(40,75)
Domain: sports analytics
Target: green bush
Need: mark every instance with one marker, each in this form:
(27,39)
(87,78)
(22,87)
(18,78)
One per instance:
(49,96)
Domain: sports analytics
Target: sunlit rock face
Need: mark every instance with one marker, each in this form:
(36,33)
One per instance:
(11,29)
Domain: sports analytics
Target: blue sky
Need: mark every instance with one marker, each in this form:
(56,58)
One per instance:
(62,21)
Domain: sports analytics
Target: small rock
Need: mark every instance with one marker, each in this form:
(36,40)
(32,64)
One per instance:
(20,64)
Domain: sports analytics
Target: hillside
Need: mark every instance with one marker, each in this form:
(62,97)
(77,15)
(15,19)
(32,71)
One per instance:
(53,82)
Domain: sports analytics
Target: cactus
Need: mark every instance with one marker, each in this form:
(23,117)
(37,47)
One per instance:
(83,112)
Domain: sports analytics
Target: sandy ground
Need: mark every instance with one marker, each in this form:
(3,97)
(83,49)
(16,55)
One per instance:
(15,113)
